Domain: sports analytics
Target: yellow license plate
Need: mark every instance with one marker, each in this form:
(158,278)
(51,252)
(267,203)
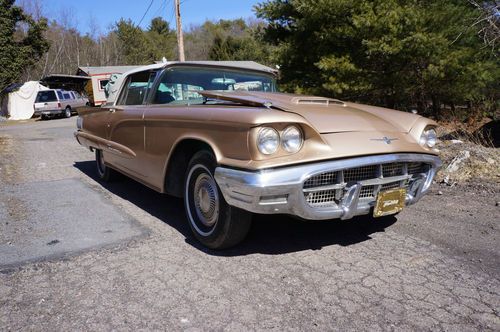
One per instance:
(389,202)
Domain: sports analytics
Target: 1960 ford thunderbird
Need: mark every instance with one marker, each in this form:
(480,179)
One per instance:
(219,135)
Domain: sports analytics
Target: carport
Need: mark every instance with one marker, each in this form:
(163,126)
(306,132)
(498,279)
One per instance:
(65,82)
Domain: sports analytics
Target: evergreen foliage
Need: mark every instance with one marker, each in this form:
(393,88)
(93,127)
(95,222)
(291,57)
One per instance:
(397,53)
(22,42)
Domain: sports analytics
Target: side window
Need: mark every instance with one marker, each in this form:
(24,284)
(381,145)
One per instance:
(66,95)
(60,95)
(73,95)
(135,89)
(102,84)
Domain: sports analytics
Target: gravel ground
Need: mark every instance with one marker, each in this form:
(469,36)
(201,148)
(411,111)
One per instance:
(433,267)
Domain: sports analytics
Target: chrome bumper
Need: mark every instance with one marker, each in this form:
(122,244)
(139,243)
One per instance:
(51,112)
(281,190)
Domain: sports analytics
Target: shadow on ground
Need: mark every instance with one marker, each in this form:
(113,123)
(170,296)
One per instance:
(270,234)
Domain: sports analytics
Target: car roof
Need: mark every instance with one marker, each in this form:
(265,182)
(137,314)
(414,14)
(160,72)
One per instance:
(249,65)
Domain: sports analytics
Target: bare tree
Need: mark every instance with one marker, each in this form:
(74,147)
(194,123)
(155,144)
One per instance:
(488,22)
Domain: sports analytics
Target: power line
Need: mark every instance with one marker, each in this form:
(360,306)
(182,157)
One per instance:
(145,13)
(172,13)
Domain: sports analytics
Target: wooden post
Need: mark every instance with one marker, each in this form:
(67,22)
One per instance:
(180,39)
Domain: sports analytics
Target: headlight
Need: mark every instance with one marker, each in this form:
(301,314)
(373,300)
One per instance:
(428,138)
(268,140)
(291,139)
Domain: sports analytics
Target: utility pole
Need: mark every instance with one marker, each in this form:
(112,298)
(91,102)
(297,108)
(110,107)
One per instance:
(180,38)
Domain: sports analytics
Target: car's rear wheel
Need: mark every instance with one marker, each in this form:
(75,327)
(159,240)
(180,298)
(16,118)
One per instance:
(105,173)
(67,112)
(214,223)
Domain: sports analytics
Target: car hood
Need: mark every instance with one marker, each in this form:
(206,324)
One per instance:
(326,115)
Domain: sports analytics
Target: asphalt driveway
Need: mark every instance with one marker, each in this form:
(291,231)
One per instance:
(120,256)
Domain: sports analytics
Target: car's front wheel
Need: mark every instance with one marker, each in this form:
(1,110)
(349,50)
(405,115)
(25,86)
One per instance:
(104,172)
(214,223)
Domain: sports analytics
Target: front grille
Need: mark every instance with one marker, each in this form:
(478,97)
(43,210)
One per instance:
(416,168)
(321,198)
(360,173)
(366,191)
(391,185)
(393,169)
(324,179)
(317,195)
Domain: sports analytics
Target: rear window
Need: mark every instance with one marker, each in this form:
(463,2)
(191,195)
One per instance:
(45,96)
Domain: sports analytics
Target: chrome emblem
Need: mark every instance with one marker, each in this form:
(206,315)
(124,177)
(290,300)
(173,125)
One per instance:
(385,139)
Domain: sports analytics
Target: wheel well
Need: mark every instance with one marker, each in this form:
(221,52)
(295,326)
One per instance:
(178,163)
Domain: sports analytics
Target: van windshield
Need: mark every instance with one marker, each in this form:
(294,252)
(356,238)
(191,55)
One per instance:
(46,96)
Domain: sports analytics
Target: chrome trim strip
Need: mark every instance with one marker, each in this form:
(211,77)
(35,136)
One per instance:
(243,189)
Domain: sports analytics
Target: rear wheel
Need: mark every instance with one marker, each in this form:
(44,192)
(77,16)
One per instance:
(105,173)
(67,112)
(44,117)
(214,223)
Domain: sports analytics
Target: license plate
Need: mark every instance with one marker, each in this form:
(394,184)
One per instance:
(389,202)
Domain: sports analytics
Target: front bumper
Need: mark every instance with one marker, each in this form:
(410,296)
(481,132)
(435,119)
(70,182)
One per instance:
(282,191)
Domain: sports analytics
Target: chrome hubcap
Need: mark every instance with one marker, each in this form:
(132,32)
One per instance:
(206,199)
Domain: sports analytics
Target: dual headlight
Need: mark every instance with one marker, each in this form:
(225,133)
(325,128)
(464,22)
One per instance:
(428,138)
(269,140)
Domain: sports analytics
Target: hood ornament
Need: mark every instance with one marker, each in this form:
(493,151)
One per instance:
(385,139)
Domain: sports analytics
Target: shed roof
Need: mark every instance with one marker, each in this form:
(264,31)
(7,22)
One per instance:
(94,70)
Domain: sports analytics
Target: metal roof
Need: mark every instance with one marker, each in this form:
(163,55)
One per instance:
(105,70)
(64,77)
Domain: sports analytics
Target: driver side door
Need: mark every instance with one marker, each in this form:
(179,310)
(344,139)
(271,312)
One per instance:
(125,126)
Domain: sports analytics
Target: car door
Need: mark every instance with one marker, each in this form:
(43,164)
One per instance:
(125,126)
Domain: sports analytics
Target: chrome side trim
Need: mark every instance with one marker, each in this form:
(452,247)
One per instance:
(244,189)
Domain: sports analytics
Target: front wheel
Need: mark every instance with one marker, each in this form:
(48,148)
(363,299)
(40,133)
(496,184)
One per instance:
(216,224)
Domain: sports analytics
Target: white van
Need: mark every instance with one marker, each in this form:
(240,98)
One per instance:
(54,102)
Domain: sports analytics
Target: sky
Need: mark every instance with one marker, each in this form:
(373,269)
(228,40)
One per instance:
(105,12)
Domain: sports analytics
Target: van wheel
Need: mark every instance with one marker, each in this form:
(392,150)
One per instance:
(216,224)
(67,112)
(105,173)
(43,117)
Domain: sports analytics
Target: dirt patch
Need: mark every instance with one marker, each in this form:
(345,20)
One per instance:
(465,161)
(7,166)
(469,153)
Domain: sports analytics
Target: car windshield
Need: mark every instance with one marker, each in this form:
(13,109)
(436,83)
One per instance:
(46,96)
(179,85)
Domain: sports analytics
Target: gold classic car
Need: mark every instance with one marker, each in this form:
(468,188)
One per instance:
(220,135)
